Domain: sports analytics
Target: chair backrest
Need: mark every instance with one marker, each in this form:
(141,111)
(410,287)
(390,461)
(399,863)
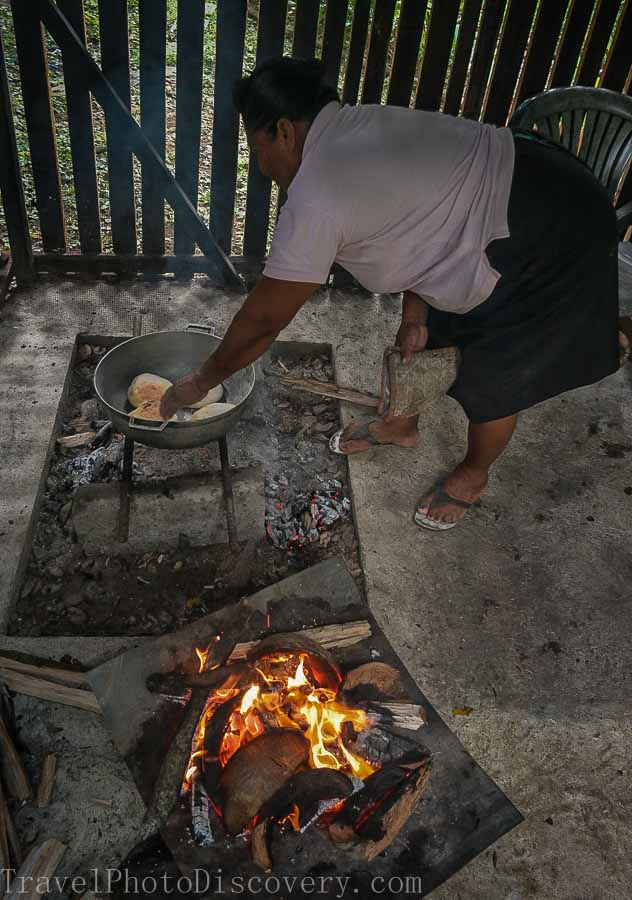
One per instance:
(594,124)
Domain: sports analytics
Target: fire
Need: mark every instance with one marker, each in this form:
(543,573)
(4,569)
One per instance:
(294,701)
(284,695)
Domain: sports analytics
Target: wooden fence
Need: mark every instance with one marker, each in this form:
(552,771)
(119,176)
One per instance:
(477,58)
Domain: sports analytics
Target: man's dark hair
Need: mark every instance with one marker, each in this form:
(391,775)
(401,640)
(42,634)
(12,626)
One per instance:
(283,88)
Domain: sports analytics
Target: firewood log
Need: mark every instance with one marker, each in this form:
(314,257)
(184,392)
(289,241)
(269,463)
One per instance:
(306,790)
(40,864)
(259,846)
(256,771)
(373,681)
(47,780)
(13,771)
(321,662)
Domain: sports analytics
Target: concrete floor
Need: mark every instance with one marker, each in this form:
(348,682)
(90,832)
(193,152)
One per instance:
(520,613)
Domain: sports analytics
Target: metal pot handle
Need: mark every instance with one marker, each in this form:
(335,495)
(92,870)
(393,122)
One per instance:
(161,427)
(208,329)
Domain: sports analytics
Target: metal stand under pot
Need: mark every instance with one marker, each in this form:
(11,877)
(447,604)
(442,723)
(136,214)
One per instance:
(170,354)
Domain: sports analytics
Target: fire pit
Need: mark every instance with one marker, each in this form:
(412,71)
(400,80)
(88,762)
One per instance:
(304,749)
(287,741)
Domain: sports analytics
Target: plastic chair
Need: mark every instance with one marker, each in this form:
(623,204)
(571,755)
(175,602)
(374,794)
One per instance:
(594,124)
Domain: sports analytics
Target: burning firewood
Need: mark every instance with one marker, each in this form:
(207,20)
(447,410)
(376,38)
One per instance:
(256,771)
(376,813)
(321,662)
(306,790)
(172,771)
(383,824)
(175,684)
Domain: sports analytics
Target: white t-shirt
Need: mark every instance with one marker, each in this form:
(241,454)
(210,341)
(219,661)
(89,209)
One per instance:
(403,199)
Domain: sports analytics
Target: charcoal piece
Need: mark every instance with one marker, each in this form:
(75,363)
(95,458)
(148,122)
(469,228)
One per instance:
(260,845)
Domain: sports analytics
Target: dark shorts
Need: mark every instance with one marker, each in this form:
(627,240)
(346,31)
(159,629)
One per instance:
(551,322)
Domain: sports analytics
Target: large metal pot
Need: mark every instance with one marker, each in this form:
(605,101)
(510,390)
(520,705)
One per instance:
(170,354)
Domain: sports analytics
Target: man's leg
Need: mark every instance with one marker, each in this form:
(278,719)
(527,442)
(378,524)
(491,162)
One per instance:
(485,443)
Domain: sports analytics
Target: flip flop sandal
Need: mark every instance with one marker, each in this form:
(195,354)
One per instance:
(441,498)
(362,434)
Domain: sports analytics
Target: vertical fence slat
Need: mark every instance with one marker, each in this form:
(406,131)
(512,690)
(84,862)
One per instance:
(115,66)
(189,71)
(11,189)
(81,131)
(333,39)
(152,23)
(465,42)
(231,31)
(38,113)
(305,28)
(357,46)
(483,55)
(378,49)
(596,49)
(270,35)
(437,55)
(543,45)
(509,59)
(411,26)
(619,63)
(572,43)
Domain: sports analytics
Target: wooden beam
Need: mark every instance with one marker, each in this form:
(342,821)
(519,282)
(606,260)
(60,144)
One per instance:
(47,690)
(129,131)
(39,865)
(11,188)
(47,781)
(13,771)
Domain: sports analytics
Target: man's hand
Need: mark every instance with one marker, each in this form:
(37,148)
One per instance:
(184,392)
(412,337)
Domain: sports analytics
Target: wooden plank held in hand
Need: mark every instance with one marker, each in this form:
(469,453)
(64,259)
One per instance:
(11,766)
(41,863)
(329,389)
(47,690)
(47,780)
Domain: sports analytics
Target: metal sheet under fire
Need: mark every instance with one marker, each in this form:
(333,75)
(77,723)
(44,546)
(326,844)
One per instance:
(460,814)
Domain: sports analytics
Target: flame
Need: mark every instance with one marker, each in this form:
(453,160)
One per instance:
(293,701)
(204,654)
(285,695)
(293,818)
